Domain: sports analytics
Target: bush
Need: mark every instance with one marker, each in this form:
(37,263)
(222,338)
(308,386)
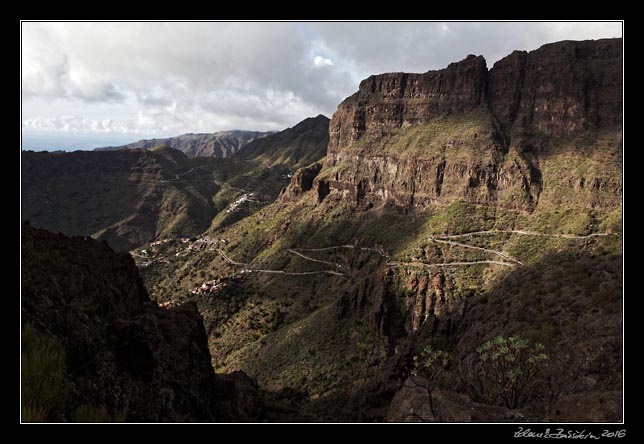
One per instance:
(44,378)
(509,366)
(92,413)
(431,366)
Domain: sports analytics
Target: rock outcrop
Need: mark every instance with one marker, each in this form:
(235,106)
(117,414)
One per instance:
(123,353)
(301,182)
(411,404)
(486,137)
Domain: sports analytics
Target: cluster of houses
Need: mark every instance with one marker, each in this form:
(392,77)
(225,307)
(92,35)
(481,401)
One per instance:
(215,285)
(250,197)
(159,242)
(168,304)
(198,245)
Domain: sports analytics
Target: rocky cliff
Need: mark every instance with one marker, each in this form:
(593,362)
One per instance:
(124,357)
(487,137)
(453,206)
(219,144)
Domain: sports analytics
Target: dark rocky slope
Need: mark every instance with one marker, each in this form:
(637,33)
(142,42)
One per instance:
(124,197)
(123,354)
(295,147)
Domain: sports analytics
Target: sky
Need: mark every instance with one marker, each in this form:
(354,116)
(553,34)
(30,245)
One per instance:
(86,85)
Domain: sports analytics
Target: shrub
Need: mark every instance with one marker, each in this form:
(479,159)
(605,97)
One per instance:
(431,366)
(93,413)
(44,379)
(90,413)
(509,366)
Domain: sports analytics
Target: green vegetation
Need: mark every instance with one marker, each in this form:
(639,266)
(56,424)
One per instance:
(93,413)
(46,383)
(431,365)
(44,377)
(437,137)
(509,365)
(292,148)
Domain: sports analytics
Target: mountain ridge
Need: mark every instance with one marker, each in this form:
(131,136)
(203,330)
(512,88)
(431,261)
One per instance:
(296,147)
(218,144)
(134,196)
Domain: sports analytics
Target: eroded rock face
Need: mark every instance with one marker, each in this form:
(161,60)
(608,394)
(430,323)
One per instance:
(559,89)
(485,137)
(301,182)
(396,100)
(122,351)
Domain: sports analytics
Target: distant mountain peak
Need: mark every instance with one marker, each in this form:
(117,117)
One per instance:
(218,144)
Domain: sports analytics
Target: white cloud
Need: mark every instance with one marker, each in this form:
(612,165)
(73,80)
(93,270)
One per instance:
(322,61)
(75,124)
(168,78)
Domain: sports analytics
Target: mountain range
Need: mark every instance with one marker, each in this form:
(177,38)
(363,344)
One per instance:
(219,144)
(447,248)
(130,197)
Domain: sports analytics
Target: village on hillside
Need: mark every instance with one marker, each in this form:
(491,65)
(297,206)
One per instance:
(164,250)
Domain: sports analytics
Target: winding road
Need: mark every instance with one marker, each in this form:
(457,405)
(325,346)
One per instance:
(458,244)
(177,176)
(290,273)
(512,262)
(526,233)
(333,264)
(446,264)
(379,251)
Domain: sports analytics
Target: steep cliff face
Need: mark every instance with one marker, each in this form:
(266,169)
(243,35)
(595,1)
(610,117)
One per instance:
(559,89)
(485,137)
(122,354)
(396,100)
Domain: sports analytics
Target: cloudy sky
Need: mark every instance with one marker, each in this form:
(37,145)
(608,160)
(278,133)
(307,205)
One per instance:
(95,84)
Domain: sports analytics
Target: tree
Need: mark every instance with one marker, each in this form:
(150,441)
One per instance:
(509,365)
(430,365)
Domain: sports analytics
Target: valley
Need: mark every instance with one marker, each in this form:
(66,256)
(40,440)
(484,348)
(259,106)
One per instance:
(440,211)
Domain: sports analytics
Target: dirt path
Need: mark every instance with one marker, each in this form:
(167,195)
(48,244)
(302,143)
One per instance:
(526,233)
(446,264)
(380,252)
(303,273)
(177,176)
(512,262)
(458,244)
(229,260)
(333,264)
